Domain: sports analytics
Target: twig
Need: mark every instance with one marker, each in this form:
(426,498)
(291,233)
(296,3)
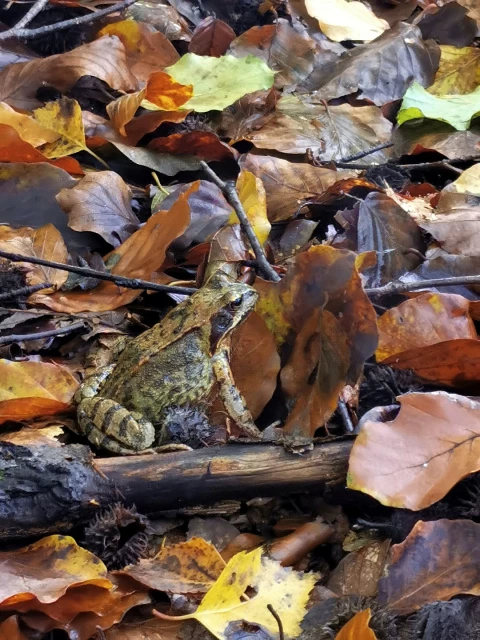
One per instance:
(73,22)
(281,635)
(19,337)
(403,287)
(24,291)
(363,154)
(27,18)
(121,281)
(446,164)
(230,192)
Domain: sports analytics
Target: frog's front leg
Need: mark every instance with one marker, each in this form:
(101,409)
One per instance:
(231,397)
(107,424)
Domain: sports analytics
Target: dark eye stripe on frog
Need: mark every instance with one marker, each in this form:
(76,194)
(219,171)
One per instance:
(220,323)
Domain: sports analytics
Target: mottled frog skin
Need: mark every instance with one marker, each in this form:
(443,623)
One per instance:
(174,363)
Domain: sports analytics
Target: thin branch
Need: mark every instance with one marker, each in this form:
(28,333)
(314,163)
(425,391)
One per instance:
(73,22)
(121,281)
(24,337)
(446,164)
(24,291)
(34,10)
(363,154)
(231,194)
(281,634)
(403,287)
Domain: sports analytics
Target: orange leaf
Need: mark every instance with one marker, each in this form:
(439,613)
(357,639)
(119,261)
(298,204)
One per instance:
(29,389)
(27,127)
(424,320)
(357,628)
(203,144)
(414,460)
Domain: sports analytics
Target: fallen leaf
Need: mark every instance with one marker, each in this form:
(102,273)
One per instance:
(467,182)
(140,256)
(27,127)
(187,567)
(211,37)
(435,562)
(436,136)
(458,71)
(10,629)
(341,20)
(289,51)
(218,82)
(14,149)
(383,70)
(147,49)
(288,184)
(46,569)
(285,590)
(359,571)
(104,58)
(336,131)
(150,630)
(29,389)
(414,460)
(201,144)
(421,321)
(100,202)
(45,242)
(453,363)
(357,628)
(253,198)
(457,110)
(165,163)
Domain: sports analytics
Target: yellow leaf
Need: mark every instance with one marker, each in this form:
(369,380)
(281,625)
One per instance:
(284,589)
(64,116)
(341,20)
(27,127)
(253,197)
(458,71)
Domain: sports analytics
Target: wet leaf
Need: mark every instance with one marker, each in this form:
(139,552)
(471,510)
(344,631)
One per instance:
(45,242)
(414,460)
(253,198)
(436,562)
(140,256)
(202,144)
(421,321)
(285,590)
(104,58)
(341,20)
(383,70)
(288,184)
(30,389)
(218,82)
(100,202)
(357,628)
(336,131)
(211,37)
(46,569)
(358,572)
(453,363)
(187,567)
(147,49)
(14,149)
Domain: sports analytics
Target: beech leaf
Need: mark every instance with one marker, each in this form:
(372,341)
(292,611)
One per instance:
(341,20)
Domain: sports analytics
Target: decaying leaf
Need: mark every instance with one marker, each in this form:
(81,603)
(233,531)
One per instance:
(29,389)
(341,20)
(27,127)
(253,198)
(211,37)
(458,71)
(417,458)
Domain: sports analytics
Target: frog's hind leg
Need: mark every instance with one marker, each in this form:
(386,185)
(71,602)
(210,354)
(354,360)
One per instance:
(108,425)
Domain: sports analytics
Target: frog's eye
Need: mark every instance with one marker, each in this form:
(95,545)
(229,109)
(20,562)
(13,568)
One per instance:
(235,304)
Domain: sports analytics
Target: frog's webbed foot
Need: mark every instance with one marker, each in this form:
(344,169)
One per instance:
(231,396)
(108,425)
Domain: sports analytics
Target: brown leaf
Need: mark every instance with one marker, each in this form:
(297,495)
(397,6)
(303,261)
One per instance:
(10,630)
(358,572)
(187,567)
(357,628)
(211,37)
(14,149)
(335,131)
(453,363)
(202,144)
(100,202)
(147,49)
(414,460)
(436,562)
(46,569)
(150,630)
(287,50)
(424,320)
(288,184)
(436,136)
(104,58)
(29,389)
(457,223)
(140,256)
(45,242)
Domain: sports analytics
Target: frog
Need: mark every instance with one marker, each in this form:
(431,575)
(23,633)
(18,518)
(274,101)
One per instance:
(177,362)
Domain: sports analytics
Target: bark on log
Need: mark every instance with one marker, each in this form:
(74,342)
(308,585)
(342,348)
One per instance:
(50,489)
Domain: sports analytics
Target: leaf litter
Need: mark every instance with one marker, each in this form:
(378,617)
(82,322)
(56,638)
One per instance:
(342,184)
